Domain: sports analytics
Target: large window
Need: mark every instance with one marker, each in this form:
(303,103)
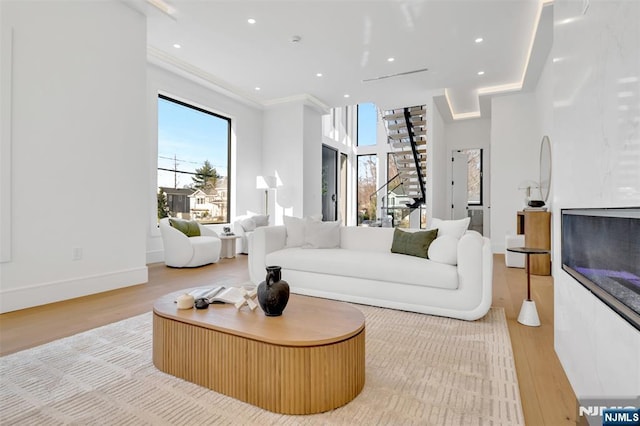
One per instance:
(367,197)
(193,162)
(367,118)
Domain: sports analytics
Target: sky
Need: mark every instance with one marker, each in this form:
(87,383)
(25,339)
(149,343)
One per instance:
(367,124)
(191,137)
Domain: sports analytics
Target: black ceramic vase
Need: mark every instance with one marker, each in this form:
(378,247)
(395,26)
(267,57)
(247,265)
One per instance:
(273,292)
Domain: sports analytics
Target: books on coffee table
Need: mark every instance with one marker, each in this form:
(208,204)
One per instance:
(219,294)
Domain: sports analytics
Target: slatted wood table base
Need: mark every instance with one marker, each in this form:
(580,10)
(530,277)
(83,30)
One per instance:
(279,378)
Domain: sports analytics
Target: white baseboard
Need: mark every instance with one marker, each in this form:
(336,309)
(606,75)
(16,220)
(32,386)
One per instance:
(55,291)
(155,256)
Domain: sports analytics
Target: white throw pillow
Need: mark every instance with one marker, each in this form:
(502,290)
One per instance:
(295,229)
(444,250)
(455,228)
(321,235)
(248,224)
(261,219)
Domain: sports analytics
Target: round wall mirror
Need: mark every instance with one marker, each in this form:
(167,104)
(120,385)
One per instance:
(545,168)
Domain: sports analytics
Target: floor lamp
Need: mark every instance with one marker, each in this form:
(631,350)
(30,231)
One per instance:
(266,183)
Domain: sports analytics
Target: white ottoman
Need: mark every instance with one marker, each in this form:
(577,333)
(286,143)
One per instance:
(514,260)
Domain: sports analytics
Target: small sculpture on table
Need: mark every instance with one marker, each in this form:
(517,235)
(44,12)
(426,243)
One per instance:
(247,299)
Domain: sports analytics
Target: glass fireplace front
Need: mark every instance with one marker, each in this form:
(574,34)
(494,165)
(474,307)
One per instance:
(601,250)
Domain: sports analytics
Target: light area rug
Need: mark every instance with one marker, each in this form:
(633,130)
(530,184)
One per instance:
(420,369)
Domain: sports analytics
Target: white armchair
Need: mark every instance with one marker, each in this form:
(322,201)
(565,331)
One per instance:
(181,251)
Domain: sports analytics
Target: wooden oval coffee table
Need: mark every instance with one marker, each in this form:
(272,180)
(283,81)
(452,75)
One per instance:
(309,360)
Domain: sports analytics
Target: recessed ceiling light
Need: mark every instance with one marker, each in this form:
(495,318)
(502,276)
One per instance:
(346,96)
(177,46)
(479,40)
(257,88)
(319,74)
(480,72)
(391,59)
(251,21)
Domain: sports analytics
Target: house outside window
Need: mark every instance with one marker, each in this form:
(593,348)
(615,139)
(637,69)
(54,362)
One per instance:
(193,162)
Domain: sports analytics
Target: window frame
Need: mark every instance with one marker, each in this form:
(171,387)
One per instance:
(165,97)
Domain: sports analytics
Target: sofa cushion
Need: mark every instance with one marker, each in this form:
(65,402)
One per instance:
(296,228)
(413,243)
(371,265)
(455,228)
(248,224)
(321,235)
(261,220)
(444,249)
(366,238)
(189,228)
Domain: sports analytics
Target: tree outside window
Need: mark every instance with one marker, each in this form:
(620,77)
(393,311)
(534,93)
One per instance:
(474,179)
(367,181)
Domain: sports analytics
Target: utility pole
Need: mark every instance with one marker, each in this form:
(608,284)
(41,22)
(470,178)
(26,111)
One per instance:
(175,172)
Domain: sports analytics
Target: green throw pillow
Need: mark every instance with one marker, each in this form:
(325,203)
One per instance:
(413,243)
(189,228)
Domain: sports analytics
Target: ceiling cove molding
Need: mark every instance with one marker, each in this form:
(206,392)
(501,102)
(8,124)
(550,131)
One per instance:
(508,87)
(304,98)
(197,75)
(460,115)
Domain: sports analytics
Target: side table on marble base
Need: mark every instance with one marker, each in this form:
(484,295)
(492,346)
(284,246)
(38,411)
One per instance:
(528,312)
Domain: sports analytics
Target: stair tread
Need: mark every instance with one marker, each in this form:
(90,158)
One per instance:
(403,125)
(396,115)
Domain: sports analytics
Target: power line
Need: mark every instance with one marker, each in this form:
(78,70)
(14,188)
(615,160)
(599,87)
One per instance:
(222,166)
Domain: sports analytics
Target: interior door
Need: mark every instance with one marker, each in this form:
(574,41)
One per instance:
(459,190)
(329,183)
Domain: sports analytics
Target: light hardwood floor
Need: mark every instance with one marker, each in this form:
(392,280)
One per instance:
(547,397)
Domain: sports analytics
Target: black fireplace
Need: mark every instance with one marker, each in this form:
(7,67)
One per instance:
(601,250)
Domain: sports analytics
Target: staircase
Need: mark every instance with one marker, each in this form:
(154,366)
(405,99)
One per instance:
(407,134)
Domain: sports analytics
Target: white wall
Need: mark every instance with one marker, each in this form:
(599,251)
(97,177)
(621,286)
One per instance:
(438,183)
(515,151)
(470,134)
(312,161)
(246,146)
(282,155)
(78,174)
(596,163)
(292,151)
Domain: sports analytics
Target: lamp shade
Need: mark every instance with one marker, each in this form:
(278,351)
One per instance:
(265,182)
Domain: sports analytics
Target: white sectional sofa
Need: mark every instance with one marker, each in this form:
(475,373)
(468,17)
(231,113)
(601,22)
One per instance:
(243,227)
(363,270)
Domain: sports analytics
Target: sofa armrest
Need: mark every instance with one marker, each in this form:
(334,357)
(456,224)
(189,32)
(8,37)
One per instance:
(177,248)
(238,229)
(207,232)
(475,272)
(265,239)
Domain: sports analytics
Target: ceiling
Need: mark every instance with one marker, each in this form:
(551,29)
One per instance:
(349,43)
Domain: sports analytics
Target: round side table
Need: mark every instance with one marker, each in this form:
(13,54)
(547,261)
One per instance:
(228,249)
(528,312)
